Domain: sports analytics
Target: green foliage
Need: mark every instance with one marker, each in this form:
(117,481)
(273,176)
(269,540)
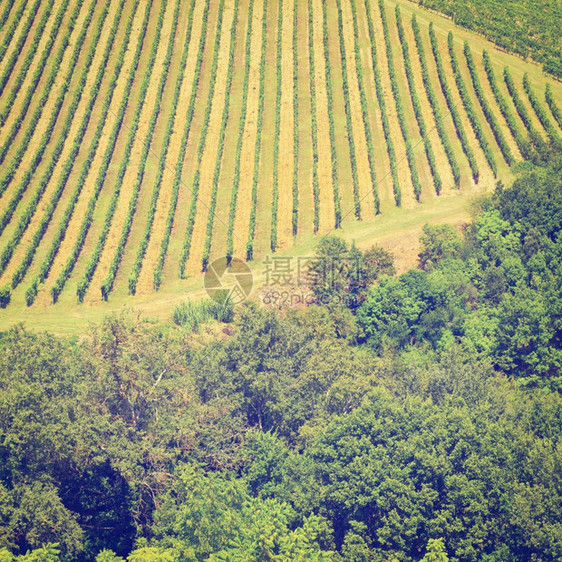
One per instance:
(257,148)
(240,140)
(348,122)
(157,279)
(469,108)
(210,516)
(32,50)
(534,135)
(91,266)
(6,12)
(32,89)
(5,296)
(107,284)
(524,146)
(541,113)
(527,28)
(67,169)
(313,118)
(341,275)
(382,105)
(192,314)
(10,64)
(28,213)
(200,148)
(296,159)
(435,107)
(277,131)
(435,551)
(143,246)
(399,105)
(447,92)
(416,104)
(330,94)
(365,111)
(438,242)
(222,133)
(488,113)
(551,102)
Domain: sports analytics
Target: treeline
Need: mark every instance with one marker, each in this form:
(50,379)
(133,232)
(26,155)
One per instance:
(165,442)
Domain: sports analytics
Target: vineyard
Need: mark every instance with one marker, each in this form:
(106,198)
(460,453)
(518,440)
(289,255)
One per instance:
(141,140)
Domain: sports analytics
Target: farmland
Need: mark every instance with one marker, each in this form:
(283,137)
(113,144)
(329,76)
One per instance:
(140,140)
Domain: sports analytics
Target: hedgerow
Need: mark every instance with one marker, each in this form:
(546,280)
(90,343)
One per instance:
(240,140)
(416,104)
(382,104)
(461,134)
(399,106)
(439,124)
(143,246)
(486,108)
(157,277)
(201,147)
(524,146)
(348,121)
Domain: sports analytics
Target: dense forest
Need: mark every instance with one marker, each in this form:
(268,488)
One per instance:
(530,28)
(423,421)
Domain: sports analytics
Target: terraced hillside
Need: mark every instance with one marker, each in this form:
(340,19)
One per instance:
(139,140)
